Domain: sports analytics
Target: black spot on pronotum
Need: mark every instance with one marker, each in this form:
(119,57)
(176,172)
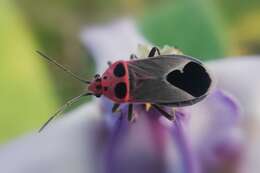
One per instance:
(119,70)
(194,79)
(120,90)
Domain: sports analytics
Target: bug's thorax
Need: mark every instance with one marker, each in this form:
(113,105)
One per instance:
(113,83)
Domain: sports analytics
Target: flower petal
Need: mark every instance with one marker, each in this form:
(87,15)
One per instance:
(143,146)
(216,132)
(113,41)
(240,77)
(69,145)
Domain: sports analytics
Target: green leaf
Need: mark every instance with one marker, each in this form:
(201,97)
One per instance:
(192,26)
(27,98)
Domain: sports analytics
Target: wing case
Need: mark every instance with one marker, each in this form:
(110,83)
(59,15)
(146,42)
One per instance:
(175,80)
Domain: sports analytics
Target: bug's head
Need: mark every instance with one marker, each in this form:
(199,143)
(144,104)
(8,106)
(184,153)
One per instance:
(95,86)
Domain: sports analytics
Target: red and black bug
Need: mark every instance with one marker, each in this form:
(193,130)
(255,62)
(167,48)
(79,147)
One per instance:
(163,80)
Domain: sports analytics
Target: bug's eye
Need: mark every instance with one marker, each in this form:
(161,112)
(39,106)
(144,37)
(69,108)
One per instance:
(119,70)
(120,90)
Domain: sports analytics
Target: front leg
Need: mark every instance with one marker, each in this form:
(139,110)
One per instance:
(115,107)
(153,51)
(130,112)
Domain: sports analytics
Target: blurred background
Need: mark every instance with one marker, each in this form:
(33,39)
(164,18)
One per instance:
(31,89)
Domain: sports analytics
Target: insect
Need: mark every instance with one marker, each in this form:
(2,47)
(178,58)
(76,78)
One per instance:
(162,80)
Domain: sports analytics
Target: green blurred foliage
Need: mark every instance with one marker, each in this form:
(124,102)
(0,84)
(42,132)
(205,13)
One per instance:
(242,19)
(27,96)
(56,26)
(191,25)
(232,10)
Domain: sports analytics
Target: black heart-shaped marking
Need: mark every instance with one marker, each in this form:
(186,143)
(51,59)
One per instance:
(194,79)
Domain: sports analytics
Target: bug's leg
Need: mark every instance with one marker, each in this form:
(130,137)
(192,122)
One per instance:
(109,63)
(153,51)
(164,113)
(115,107)
(133,56)
(130,112)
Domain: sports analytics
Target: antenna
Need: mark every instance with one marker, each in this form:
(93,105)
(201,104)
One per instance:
(67,104)
(63,68)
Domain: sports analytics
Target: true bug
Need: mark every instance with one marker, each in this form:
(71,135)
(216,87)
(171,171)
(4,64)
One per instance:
(163,80)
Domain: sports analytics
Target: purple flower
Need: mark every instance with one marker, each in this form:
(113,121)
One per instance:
(207,137)
(220,111)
